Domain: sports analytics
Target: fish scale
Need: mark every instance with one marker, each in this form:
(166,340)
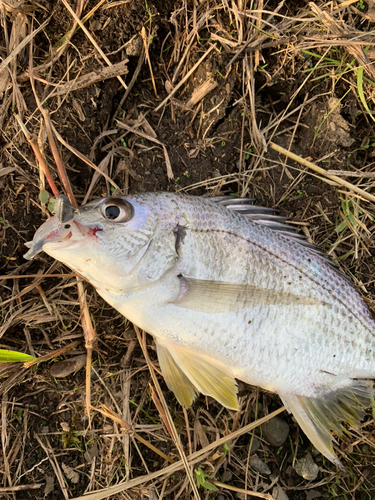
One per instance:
(227,296)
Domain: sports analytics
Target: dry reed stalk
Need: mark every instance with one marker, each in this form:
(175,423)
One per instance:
(338,180)
(152,139)
(107,412)
(89,36)
(42,163)
(52,355)
(171,427)
(179,85)
(191,459)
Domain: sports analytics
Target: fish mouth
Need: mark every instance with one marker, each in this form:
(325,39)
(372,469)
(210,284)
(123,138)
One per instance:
(54,235)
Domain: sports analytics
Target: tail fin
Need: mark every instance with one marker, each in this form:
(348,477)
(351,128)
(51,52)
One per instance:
(319,416)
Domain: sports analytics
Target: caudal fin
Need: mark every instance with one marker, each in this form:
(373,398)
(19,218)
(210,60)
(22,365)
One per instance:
(317,417)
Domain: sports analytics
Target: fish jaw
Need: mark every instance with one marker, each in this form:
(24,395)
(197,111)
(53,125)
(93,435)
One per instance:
(53,236)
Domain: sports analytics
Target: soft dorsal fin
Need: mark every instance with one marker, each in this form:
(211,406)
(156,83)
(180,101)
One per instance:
(187,372)
(317,417)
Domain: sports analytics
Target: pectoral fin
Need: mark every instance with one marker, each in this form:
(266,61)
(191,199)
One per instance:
(318,416)
(217,296)
(187,372)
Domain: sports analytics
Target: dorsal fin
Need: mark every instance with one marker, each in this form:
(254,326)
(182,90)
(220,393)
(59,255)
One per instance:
(269,217)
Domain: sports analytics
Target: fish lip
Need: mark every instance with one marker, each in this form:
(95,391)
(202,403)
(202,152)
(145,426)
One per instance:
(59,235)
(73,237)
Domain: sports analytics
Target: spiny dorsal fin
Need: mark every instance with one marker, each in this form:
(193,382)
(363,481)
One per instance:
(317,417)
(269,217)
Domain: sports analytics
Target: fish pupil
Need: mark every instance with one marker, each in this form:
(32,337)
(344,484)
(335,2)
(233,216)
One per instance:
(112,212)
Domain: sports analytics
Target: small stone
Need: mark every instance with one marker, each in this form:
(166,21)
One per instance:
(307,468)
(313,494)
(91,453)
(227,476)
(279,494)
(221,497)
(259,466)
(50,484)
(255,444)
(275,431)
(134,47)
(240,496)
(365,449)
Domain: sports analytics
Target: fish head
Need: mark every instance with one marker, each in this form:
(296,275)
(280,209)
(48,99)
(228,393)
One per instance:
(104,241)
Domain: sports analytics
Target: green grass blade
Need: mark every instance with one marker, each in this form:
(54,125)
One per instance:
(360,91)
(14,357)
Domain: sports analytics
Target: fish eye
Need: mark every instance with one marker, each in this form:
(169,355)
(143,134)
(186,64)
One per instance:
(117,210)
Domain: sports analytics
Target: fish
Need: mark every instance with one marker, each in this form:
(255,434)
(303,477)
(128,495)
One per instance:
(229,292)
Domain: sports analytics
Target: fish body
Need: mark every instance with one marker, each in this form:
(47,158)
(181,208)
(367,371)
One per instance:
(227,294)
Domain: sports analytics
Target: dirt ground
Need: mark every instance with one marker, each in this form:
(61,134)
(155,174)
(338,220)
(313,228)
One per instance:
(206,89)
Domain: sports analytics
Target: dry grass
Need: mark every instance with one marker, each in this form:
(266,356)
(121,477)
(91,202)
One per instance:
(199,99)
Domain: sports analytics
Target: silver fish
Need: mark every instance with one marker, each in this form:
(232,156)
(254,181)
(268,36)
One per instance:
(228,292)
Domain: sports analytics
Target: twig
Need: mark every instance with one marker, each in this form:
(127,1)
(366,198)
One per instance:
(90,337)
(23,44)
(88,329)
(83,158)
(51,355)
(98,75)
(58,161)
(146,45)
(172,427)
(152,139)
(54,463)
(21,487)
(104,410)
(39,157)
(23,276)
(89,36)
(323,172)
(191,459)
(267,496)
(132,81)
(196,65)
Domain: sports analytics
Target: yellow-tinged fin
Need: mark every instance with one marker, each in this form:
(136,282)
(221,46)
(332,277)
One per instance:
(190,371)
(317,417)
(217,296)
(175,378)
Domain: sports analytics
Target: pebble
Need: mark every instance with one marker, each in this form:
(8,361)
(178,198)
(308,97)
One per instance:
(275,431)
(313,494)
(365,449)
(227,476)
(65,368)
(307,468)
(279,494)
(255,444)
(259,466)
(221,497)
(134,47)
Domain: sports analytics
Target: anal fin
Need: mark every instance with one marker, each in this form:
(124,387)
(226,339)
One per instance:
(318,416)
(187,372)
